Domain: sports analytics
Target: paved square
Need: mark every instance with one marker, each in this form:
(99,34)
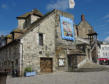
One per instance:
(98,77)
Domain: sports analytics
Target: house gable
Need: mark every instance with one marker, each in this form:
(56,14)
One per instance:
(83,28)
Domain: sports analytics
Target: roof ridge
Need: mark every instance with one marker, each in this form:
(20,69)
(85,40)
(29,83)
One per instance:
(34,11)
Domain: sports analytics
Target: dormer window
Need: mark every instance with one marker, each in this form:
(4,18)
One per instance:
(27,22)
(28,18)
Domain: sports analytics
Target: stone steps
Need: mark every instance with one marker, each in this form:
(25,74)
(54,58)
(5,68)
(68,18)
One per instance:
(91,67)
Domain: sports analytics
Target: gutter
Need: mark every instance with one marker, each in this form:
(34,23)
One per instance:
(21,57)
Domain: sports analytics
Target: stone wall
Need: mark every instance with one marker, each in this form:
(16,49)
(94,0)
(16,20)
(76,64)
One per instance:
(83,29)
(62,46)
(34,18)
(32,51)
(9,57)
(21,23)
(80,58)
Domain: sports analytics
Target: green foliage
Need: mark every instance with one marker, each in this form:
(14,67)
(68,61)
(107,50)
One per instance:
(28,69)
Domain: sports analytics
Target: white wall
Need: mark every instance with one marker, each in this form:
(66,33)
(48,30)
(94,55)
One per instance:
(104,51)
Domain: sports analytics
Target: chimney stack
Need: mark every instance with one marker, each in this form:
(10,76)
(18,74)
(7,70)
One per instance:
(82,17)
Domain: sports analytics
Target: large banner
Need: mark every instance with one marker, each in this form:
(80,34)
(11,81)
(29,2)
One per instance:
(67,28)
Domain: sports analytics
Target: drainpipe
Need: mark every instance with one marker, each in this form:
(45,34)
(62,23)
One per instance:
(21,58)
(21,66)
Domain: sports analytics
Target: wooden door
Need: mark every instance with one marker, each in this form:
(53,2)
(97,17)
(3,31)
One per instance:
(46,64)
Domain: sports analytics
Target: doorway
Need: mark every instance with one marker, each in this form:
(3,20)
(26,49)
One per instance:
(72,62)
(46,64)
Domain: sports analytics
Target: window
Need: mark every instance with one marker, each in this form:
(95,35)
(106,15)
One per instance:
(41,39)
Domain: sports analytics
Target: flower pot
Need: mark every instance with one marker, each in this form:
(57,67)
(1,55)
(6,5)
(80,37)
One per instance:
(27,74)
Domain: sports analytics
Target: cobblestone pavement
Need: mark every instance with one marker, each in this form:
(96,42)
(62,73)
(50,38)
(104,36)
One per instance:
(99,77)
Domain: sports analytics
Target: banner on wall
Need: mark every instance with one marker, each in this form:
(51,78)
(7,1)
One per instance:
(67,28)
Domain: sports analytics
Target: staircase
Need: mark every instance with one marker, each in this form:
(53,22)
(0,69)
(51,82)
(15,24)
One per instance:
(91,45)
(92,67)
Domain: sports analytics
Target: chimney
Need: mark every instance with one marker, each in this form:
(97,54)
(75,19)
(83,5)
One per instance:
(82,17)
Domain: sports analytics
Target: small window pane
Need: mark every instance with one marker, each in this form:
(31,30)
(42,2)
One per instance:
(41,39)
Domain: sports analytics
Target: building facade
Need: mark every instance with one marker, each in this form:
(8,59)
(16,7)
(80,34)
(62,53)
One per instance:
(103,54)
(46,43)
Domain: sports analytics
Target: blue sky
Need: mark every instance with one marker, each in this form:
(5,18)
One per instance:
(96,13)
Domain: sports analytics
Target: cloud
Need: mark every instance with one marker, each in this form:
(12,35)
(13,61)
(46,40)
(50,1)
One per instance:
(107,20)
(107,39)
(4,6)
(59,4)
(106,16)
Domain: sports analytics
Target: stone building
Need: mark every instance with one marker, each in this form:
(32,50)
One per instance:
(86,38)
(43,43)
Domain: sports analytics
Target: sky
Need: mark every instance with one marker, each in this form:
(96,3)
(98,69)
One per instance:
(96,13)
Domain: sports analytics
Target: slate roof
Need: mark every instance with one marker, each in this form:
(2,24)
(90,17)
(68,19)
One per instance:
(33,12)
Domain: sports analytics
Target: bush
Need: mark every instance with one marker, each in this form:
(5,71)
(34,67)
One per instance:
(28,69)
